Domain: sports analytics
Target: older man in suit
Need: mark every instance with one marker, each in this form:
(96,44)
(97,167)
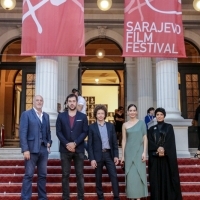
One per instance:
(103,150)
(35,142)
(71,129)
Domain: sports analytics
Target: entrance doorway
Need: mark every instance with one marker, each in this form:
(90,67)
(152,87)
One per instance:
(102,75)
(17,91)
(17,88)
(189,85)
(103,87)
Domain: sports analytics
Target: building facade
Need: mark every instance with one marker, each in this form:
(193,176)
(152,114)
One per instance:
(111,80)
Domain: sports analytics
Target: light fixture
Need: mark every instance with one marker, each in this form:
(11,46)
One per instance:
(104,5)
(196,5)
(100,53)
(96,80)
(8,4)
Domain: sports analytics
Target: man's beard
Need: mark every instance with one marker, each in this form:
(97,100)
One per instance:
(72,109)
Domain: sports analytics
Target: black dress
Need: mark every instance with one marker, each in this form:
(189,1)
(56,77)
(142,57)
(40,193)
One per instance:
(163,171)
(118,124)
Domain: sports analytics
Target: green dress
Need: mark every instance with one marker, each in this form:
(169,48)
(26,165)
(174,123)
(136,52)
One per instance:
(135,169)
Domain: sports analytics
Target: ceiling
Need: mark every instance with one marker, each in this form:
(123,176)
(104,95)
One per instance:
(103,76)
(114,1)
(121,1)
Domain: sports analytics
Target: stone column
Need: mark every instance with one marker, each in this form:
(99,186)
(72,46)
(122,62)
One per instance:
(167,97)
(144,86)
(47,83)
(2,94)
(17,110)
(167,86)
(47,87)
(73,71)
(62,80)
(131,82)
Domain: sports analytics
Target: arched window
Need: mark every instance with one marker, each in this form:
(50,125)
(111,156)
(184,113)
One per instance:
(112,51)
(12,53)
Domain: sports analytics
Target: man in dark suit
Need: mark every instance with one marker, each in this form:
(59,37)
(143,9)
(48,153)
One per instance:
(71,129)
(35,142)
(103,150)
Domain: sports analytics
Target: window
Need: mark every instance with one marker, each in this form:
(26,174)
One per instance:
(192,94)
(30,90)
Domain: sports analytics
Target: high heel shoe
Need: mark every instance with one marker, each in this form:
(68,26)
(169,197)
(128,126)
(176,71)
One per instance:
(197,155)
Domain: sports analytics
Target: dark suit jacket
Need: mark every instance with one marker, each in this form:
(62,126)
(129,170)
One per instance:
(95,143)
(29,131)
(76,134)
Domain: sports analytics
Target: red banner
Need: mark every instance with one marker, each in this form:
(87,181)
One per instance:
(53,28)
(153,28)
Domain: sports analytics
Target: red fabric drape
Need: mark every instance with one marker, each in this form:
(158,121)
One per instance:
(153,28)
(53,27)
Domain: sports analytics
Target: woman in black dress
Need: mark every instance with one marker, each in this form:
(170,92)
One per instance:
(163,166)
(119,120)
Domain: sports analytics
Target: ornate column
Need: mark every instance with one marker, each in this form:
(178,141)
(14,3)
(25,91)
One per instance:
(131,82)
(2,94)
(144,86)
(167,86)
(167,97)
(47,86)
(46,83)
(73,71)
(62,80)
(17,95)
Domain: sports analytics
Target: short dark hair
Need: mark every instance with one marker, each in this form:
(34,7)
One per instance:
(100,107)
(120,108)
(150,109)
(70,96)
(76,90)
(132,105)
(162,110)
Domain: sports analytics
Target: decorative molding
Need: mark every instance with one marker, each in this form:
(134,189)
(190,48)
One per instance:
(102,31)
(165,59)
(19,28)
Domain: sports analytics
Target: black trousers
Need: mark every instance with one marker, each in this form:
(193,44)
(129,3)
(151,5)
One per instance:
(111,168)
(78,159)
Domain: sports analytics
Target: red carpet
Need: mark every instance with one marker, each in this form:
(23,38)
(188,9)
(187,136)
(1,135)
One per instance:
(11,174)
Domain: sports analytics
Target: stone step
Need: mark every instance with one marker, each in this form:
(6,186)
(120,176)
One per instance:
(11,143)
(88,187)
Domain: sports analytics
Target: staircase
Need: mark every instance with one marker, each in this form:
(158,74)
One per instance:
(11,174)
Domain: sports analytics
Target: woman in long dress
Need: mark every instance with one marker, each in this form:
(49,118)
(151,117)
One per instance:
(163,166)
(134,148)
